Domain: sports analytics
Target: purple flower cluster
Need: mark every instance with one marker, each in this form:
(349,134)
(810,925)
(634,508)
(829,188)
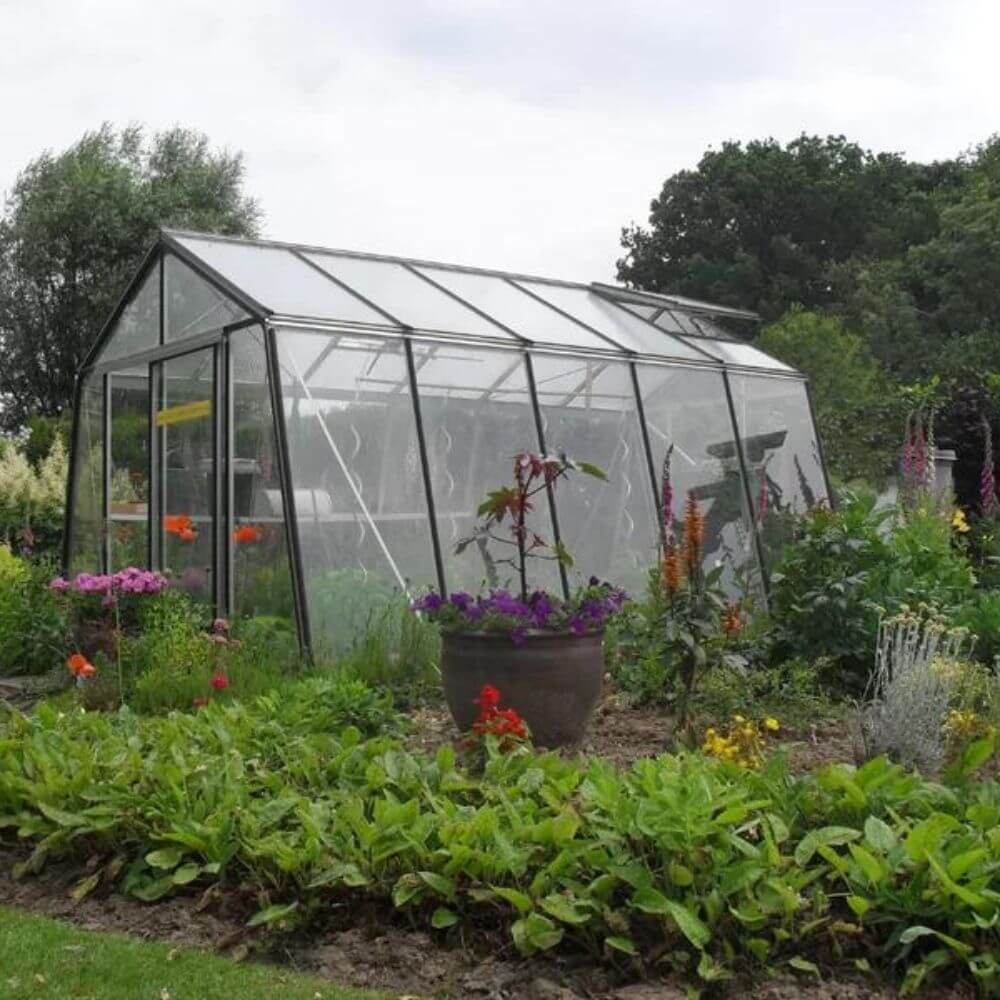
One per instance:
(127,581)
(501,611)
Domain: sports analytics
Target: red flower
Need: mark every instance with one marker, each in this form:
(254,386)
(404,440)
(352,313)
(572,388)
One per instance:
(488,698)
(79,666)
(248,533)
(220,682)
(200,702)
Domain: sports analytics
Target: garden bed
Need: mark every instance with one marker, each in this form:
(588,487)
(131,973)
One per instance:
(377,953)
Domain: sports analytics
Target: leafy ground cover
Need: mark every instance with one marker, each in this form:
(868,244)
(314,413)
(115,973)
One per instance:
(680,862)
(40,957)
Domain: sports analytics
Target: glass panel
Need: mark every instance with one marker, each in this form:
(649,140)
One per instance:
(280,281)
(618,324)
(187,448)
(477,414)
(128,505)
(516,310)
(410,299)
(138,327)
(646,312)
(87,500)
(589,412)
(688,409)
(192,305)
(782,453)
(359,492)
(674,322)
(736,353)
(261,573)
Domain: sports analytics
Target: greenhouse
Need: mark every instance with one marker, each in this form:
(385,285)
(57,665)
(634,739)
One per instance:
(304,433)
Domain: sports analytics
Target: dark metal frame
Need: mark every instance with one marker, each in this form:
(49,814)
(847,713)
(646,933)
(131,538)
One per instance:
(218,341)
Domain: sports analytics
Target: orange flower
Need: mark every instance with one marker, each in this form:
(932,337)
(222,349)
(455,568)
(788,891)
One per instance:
(671,568)
(732,622)
(248,533)
(180,525)
(694,533)
(79,666)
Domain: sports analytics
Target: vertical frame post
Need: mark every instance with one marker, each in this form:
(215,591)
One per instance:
(219,466)
(647,447)
(106,474)
(152,455)
(287,489)
(71,498)
(744,475)
(425,467)
(831,498)
(529,369)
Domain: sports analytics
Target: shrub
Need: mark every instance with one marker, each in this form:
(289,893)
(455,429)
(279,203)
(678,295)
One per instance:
(699,859)
(32,500)
(34,627)
(981,616)
(399,651)
(916,664)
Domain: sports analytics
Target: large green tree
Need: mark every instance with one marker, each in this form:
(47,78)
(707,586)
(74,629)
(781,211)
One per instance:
(763,226)
(73,230)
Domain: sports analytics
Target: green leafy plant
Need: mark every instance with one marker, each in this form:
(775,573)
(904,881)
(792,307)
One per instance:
(34,625)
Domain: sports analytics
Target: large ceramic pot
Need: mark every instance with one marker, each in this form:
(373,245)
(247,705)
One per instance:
(552,679)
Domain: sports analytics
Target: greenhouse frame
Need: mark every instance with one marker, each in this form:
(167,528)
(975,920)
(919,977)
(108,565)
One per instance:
(304,433)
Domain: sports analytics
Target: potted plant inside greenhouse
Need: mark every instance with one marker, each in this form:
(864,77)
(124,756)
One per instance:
(544,652)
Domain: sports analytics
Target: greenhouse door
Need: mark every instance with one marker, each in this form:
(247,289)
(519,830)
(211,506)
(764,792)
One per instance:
(186,459)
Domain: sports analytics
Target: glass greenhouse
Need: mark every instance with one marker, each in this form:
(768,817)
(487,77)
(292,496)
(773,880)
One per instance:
(303,433)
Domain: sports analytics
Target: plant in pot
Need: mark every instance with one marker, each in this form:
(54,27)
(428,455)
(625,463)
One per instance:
(542,650)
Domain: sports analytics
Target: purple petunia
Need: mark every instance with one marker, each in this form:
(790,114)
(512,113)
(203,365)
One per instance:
(429,602)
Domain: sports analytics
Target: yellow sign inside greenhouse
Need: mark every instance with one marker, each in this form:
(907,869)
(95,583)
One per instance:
(183,413)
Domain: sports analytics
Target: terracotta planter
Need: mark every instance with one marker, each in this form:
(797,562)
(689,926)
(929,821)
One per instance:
(552,679)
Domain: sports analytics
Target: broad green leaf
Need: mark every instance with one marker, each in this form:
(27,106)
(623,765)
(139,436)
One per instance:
(804,965)
(623,944)
(564,909)
(441,885)
(272,914)
(85,887)
(879,834)
(518,900)
(680,874)
(167,857)
(870,865)
(186,873)
(710,970)
(650,900)
(690,925)
(60,816)
(827,836)
(442,917)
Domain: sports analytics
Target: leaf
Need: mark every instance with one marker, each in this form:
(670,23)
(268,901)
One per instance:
(591,470)
(441,885)
(912,933)
(84,888)
(442,917)
(680,874)
(826,837)
(518,900)
(272,914)
(859,905)
(650,900)
(870,865)
(167,857)
(879,834)
(804,965)
(186,873)
(690,925)
(149,892)
(535,933)
(60,816)
(710,970)
(622,944)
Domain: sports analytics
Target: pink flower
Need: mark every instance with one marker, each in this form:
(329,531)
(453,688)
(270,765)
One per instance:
(59,584)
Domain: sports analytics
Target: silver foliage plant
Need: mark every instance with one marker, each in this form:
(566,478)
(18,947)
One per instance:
(906,701)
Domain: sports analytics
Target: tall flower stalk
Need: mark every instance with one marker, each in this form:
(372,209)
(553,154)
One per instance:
(987,476)
(666,501)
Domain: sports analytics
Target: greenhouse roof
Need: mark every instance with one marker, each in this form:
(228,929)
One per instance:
(297,284)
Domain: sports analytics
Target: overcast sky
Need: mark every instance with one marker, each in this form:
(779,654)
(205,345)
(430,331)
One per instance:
(512,134)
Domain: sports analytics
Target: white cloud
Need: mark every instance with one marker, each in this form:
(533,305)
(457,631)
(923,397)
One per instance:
(519,135)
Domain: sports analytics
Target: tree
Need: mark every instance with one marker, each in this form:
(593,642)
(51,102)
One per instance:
(74,230)
(858,414)
(761,226)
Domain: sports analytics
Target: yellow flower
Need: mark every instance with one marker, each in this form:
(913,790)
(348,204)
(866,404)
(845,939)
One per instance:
(771,725)
(959,523)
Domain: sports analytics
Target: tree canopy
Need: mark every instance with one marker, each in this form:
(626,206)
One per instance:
(902,257)
(73,231)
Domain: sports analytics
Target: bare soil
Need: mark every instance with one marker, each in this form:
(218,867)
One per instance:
(623,733)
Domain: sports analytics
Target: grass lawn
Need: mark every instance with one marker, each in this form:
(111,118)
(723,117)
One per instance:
(45,958)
